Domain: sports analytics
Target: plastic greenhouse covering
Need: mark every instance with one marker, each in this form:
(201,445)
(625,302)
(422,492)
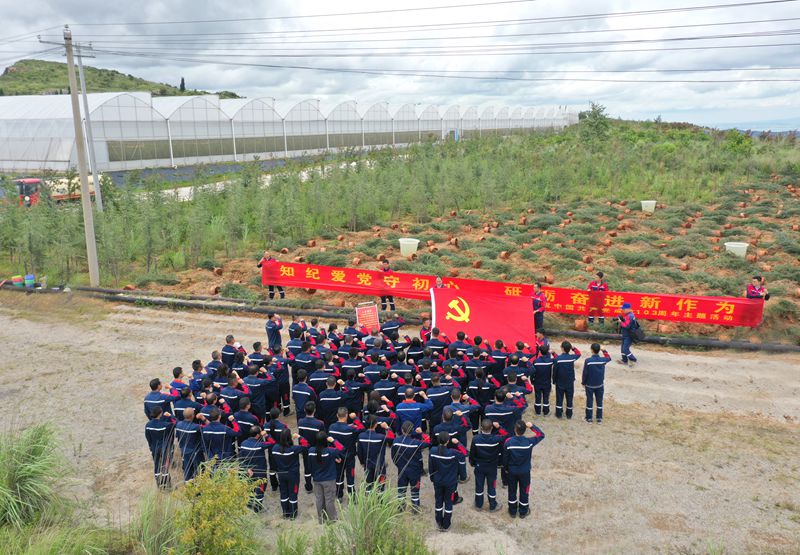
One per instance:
(136,130)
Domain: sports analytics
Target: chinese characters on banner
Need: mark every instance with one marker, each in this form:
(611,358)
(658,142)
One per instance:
(367,316)
(726,311)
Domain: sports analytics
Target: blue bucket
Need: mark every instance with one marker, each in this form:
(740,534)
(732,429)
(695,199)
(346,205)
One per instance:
(30,279)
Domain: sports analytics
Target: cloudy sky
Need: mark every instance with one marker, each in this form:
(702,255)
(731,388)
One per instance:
(539,52)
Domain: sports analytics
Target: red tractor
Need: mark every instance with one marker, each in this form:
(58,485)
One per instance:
(28,190)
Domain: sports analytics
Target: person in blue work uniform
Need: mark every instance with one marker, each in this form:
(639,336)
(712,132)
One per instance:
(323,456)
(185,401)
(506,409)
(593,380)
(517,451)
(274,326)
(542,380)
(219,439)
(412,410)
(407,456)
(302,393)
(228,351)
(160,433)
(253,453)
(190,440)
(444,462)
(564,378)
(485,456)
(627,327)
(156,398)
(371,451)
(285,462)
(539,306)
(346,430)
(267,259)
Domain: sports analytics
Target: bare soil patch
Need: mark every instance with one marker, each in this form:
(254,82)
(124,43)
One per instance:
(698,452)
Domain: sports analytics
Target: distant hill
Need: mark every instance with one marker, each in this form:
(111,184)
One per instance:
(40,77)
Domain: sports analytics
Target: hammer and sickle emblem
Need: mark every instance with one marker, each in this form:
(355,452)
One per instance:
(461,309)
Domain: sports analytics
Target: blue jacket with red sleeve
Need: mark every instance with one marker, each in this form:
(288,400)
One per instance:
(407,453)
(506,413)
(233,394)
(286,460)
(190,437)
(218,440)
(371,448)
(159,399)
(323,467)
(302,393)
(444,463)
(308,428)
(347,435)
(159,433)
(517,451)
(329,402)
(543,371)
(487,449)
(594,370)
(564,369)
(253,453)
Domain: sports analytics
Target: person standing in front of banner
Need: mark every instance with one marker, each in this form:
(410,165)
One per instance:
(539,306)
(267,259)
(387,300)
(757,289)
(627,327)
(593,380)
(599,284)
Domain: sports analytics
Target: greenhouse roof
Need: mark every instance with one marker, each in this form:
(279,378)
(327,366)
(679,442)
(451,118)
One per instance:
(53,106)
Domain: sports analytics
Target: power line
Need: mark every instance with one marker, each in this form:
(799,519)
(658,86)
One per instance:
(537,19)
(258,41)
(314,16)
(444,75)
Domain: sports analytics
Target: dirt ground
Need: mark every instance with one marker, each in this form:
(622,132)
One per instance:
(699,453)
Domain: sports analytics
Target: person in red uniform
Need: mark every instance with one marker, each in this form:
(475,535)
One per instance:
(387,299)
(757,289)
(267,259)
(599,284)
(539,306)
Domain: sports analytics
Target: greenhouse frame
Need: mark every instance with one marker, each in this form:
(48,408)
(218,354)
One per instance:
(133,130)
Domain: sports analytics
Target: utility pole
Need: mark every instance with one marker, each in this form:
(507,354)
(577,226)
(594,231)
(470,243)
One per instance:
(80,147)
(98,197)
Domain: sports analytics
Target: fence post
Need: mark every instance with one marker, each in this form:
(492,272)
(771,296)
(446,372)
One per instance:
(327,136)
(393,132)
(363,143)
(169,138)
(233,135)
(285,142)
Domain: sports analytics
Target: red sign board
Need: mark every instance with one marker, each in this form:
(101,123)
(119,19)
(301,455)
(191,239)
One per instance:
(367,316)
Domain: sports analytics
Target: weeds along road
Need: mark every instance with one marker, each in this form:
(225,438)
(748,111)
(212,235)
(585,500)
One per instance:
(697,453)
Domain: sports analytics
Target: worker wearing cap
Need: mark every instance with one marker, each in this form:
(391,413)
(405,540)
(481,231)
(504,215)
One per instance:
(627,325)
(599,284)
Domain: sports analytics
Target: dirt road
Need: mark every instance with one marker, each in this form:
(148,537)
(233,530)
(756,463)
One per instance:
(698,453)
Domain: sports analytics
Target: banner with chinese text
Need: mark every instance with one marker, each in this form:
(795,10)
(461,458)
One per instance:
(726,311)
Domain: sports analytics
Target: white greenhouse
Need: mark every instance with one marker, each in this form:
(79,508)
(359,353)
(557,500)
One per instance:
(135,130)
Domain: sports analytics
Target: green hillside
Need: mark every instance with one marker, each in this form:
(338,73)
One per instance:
(40,77)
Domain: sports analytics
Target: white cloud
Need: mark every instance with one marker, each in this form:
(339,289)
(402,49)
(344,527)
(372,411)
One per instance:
(719,104)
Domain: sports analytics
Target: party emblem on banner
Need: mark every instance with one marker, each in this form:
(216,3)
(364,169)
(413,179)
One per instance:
(460,309)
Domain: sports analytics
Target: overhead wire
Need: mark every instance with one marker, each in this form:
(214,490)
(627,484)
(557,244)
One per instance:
(398,10)
(389,72)
(199,40)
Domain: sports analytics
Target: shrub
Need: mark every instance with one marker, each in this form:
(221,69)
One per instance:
(327,258)
(214,516)
(30,469)
(209,264)
(158,279)
(639,258)
(238,291)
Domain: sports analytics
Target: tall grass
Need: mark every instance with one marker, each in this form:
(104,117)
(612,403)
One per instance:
(154,529)
(30,468)
(66,539)
(372,523)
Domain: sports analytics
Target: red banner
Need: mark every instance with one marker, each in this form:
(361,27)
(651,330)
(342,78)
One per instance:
(492,316)
(726,311)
